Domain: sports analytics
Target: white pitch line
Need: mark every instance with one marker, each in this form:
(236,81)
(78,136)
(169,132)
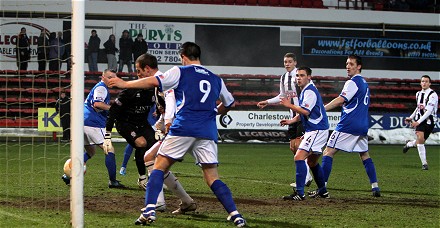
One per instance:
(245,179)
(21,217)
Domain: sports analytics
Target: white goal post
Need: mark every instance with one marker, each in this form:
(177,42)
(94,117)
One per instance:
(77,120)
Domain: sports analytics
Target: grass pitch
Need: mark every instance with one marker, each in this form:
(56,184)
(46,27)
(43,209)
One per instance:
(33,195)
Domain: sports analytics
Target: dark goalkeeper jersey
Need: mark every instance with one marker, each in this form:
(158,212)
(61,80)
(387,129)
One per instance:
(131,106)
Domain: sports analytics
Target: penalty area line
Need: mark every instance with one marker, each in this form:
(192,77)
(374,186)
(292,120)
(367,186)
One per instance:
(21,217)
(236,178)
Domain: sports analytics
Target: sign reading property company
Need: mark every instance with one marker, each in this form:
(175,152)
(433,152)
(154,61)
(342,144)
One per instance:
(258,125)
(370,44)
(164,39)
(261,120)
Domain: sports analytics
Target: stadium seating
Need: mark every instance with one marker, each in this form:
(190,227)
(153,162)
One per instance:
(380,5)
(22,93)
(268,3)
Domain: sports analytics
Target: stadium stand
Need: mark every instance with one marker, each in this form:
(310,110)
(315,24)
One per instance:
(22,93)
(430,6)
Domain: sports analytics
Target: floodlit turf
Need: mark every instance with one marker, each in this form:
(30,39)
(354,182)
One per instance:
(33,195)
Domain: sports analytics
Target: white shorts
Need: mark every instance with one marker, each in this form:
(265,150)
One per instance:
(93,135)
(203,150)
(348,142)
(314,141)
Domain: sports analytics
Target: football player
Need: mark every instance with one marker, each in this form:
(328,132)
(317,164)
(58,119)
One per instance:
(423,118)
(350,135)
(314,119)
(196,90)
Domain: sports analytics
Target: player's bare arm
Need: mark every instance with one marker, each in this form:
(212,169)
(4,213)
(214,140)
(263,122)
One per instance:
(221,109)
(99,106)
(334,103)
(286,122)
(143,83)
(286,102)
(262,104)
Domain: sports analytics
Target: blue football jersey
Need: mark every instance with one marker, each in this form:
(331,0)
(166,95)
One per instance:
(92,117)
(311,100)
(354,116)
(196,91)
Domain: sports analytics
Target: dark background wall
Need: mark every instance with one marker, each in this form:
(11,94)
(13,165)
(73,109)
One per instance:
(260,47)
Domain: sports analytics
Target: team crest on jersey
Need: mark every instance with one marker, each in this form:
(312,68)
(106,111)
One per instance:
(421,106)
(201,71)
(133,134)
(138,95)
(118,102)
(290,94)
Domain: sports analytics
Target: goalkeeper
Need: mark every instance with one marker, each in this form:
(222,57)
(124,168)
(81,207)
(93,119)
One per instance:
(129,114)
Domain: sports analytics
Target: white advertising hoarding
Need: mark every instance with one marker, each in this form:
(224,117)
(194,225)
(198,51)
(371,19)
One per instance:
(262,120)
(9,30)
(164,38)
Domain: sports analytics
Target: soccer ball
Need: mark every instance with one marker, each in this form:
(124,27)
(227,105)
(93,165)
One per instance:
(68,167)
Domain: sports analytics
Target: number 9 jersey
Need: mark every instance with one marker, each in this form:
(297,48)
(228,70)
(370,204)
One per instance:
(196,90)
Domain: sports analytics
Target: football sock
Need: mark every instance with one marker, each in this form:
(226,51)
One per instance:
(308,174)
(318,174)
(110,163)
(327,163)
(174,185)
(411,143)
(140,164)
(370,169)
(224,195)
(86,157)
(154,187)
(127,154)
(301,171)
(149,165)
(422,153)
(160,199)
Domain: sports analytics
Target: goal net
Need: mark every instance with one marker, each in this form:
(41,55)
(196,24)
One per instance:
(36,83)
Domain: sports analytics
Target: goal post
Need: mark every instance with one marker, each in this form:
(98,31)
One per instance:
(77,120)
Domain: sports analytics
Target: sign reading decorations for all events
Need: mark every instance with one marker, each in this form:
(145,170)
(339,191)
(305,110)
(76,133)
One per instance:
(404,45)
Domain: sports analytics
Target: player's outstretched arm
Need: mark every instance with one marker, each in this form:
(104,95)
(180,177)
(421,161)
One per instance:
(222,109)
(334,103)
(143,83)
(262,104)
(290,121)
(99,106)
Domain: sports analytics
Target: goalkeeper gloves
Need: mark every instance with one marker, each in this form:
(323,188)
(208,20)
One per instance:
(108,146)
(159,135)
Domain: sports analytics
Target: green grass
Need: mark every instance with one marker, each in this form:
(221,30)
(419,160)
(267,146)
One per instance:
(33,195)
